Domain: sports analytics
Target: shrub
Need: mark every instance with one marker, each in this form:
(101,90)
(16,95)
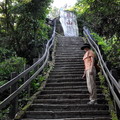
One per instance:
(13,64)
(111,48)
(5,54)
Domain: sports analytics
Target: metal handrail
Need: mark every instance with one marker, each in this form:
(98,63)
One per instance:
(109,77)
(21,75)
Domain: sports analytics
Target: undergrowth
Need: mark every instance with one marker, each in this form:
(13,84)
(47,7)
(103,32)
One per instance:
(106,92)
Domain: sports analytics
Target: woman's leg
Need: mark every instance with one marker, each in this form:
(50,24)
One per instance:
(91,84)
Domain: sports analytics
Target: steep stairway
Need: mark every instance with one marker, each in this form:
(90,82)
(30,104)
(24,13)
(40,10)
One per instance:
(65,95)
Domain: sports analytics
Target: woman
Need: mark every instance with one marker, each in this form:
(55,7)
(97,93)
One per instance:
(90,72)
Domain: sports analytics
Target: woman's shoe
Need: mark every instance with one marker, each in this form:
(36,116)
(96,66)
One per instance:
(92,102)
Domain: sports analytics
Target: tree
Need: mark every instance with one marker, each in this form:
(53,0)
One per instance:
(23,26)
(100,15)
(54,12)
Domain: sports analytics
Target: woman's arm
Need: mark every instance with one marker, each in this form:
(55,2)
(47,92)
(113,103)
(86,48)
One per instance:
(83,77)
(92,64)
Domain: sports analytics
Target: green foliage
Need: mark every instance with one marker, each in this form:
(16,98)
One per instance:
(107,96)
(3,82)
(36,83)
(103,42)
(5,54)
(100,15)
(54,12)
(14,64)
(3,114)
(23,30)
(23,26)
(111,48)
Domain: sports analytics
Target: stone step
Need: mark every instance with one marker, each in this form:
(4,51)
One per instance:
(77,41)
(59,80)
(67,69)
(62,64)
(65,72)
(65,53)
(74,43)
(69,82)
(74,39)
(74,50)
(80,82)
(63,41)
(67,107)
(67,75)
(68,91)
(68,51)
(68,56)
(67,101)
(94,118)
(58,84)
(78,76)
(67,96)
(69,43)
(65,87)
(66,114)
(56,69)
(71,47)
(69,65)
(68,46)
(73,66)
(68,60)
(66,84)
(71,40)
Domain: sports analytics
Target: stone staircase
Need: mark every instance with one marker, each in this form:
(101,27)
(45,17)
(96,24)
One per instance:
(65,95)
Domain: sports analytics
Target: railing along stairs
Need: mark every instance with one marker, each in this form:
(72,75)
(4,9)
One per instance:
(113,84)
(12,99)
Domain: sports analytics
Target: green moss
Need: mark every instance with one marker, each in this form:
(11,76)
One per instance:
(107,96)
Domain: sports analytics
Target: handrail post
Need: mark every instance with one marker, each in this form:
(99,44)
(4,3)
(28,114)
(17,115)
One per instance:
(26,77)
(14,102)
